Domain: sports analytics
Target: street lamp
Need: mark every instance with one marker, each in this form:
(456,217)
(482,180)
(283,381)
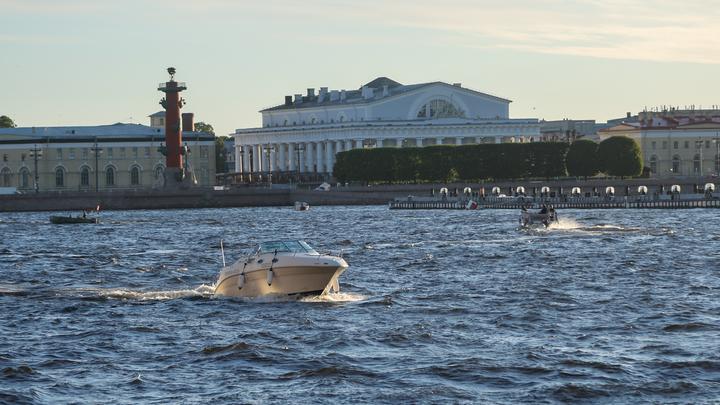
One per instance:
(97,152)
(36,154)
(717,154)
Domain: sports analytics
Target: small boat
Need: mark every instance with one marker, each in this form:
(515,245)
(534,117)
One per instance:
(301,206)
(543,218)
(283,267)
(80,219)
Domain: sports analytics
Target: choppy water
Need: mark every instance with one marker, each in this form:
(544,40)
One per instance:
(457,307)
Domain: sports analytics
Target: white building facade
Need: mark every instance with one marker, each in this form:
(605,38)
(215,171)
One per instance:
(304,134)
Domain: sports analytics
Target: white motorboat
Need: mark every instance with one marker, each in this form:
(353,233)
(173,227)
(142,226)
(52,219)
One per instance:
(282,267)
(301,206)
(543,218)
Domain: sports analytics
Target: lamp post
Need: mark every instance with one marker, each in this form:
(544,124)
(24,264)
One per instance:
(97,152)
(36,154)
(717,154)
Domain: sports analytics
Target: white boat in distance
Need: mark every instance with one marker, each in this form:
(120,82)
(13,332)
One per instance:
(282,267)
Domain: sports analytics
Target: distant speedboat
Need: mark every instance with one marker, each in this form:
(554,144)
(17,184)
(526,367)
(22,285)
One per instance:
(283,267)
(301,206)
(543,218)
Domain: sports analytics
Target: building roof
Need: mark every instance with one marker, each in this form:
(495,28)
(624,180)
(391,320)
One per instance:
(158,114)
(117,131)
(358,97)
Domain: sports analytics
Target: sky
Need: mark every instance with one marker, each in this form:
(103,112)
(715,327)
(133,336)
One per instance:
(98,62)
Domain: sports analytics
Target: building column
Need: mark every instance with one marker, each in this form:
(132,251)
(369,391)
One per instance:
(238,159)
(319,157)
(257,150)
(358,143)
(246,159)
(301,158)
(378,143)
(399,142)
(272,164)
(339,146)
(348,145)
(418,141)
(291,153)
(309,157)
(458,140)
(283,162)
(498,138)
(329,157)
(439,141)
(478,139)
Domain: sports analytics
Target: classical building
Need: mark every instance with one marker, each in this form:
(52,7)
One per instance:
(675,143)
(63,158)
(303,134)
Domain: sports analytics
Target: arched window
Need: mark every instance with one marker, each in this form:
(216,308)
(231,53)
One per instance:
(85,177)
(110,176)
(135,176)
(313,121)
(696,164)
(24,178)
(654,164)
(6,177)
(676,165)
(342,118)
(285,123)
(59,177)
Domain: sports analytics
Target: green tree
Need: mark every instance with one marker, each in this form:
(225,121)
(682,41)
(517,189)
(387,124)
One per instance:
(203,127)
(220,153)
(545,159)
(407,160)
(341,169)
(582,158)
(437,163)
(6,122)
(620,156)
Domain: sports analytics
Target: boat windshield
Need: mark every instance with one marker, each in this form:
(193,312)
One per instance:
(281,246)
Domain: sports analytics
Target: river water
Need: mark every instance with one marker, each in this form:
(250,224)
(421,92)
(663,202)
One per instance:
(447,307)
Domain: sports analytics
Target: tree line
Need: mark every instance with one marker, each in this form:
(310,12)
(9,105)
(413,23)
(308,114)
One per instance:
(615,156)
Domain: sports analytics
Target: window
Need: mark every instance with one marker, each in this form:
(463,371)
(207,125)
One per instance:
(6,177)
(285,123)
(24,178)
(423,112)
(147,153)
(6,158)
(110,153)
(134,176)
(84,153)
(162,121)
(675,145)
(58,153)
(23,157)
(110,175)
(134,153)
(687,144)
(59,177)
(342,118)
(707,144)
(122,153)
(436,106)
(696,164)
(85,177)
(676,165)
(313,121)
(653,144)
(204,152)
(664,144)
(653,164)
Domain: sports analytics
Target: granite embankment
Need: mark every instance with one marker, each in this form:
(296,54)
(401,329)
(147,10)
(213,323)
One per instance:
(259,197)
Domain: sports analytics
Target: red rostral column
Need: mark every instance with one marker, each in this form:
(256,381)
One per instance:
(172,104)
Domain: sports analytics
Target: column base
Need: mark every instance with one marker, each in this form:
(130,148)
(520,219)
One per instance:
(178,178)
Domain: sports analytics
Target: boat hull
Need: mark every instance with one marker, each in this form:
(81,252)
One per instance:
(307,280)
(69,220)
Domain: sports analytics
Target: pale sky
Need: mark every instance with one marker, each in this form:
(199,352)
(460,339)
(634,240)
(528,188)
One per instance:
(97,62)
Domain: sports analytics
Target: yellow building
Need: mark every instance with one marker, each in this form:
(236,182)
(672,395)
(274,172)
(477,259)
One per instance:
(675,143)
(127,158)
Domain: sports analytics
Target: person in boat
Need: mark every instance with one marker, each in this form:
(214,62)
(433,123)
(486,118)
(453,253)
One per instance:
(84,214)
(544,209)
(524,209)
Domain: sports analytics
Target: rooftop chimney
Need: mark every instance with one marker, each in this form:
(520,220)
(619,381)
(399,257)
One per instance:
(188,122)
(385,90)
(288,100)
(343,96)
(298,98)
(311,93)
(334,95)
